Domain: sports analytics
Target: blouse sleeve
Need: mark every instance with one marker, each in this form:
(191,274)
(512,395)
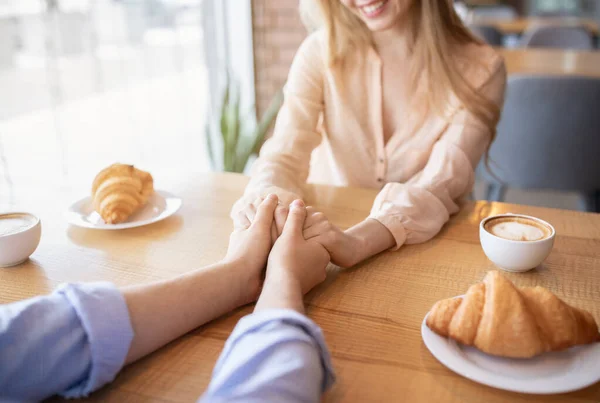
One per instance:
(415,211)
(284,161)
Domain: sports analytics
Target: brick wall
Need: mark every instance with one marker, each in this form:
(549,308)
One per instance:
(277,33)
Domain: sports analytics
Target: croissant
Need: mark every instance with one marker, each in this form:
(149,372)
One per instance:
(119,191)
(500,319)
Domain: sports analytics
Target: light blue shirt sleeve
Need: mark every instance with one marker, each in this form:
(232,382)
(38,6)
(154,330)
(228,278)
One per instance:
(70,342)
(272,356)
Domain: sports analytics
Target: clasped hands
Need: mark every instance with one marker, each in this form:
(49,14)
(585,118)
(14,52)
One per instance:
(341,246)
(292,241)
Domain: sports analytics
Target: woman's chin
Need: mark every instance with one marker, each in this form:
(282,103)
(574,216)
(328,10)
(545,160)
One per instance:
(378,26)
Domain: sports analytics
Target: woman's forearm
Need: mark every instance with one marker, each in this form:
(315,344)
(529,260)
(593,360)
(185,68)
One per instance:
(370,238)
(165,310)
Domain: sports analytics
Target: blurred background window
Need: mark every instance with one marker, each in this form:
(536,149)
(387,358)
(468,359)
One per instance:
(85,83)
(562,7)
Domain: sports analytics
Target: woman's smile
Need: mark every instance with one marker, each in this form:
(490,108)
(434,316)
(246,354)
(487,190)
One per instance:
(373,9)
(378,15)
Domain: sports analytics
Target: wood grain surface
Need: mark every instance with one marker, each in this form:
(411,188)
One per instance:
(518,26)
(554,62)
(370,315)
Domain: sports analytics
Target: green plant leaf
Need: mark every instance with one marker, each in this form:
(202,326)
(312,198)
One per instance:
(223,125)
(233,126)
(266,120)
(244,152)
(224,121)
(251,144)
(238,144)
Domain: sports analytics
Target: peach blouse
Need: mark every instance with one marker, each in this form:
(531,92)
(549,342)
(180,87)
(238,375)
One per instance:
(335,133)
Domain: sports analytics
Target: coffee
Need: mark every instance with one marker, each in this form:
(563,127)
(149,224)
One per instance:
(517,228)
(13,223)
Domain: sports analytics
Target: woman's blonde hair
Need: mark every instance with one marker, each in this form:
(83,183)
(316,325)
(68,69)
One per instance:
(436,29)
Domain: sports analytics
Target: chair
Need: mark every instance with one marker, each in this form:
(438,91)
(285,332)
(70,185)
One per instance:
(498,12)
(548,138)
(488,33)
(575,37)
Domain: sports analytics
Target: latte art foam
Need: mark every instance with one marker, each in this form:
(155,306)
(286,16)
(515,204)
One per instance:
(13,223)
(517,229)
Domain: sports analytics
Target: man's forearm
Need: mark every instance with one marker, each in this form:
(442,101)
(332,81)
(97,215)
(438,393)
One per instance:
(165,310)
(280,291)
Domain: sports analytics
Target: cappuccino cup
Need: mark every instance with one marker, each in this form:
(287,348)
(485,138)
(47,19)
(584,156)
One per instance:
(19,237)
(516,242)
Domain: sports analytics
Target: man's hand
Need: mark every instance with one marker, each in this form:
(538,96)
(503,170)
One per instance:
(249,245)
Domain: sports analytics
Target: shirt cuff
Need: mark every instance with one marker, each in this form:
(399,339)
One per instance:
(393,224)
(257,320)
(103,313)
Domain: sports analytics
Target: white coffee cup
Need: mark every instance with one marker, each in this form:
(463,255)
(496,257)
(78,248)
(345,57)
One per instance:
(19,237)
(516,242)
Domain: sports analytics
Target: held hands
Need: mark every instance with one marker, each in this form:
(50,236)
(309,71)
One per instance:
(303,241)
(345,249)
(245,217)
(253,242)
(295,259)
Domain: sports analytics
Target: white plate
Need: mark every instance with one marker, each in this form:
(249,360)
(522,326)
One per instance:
(560,372)
(160,206)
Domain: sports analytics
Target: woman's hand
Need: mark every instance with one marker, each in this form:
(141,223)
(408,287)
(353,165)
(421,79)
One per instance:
(342,247)
(250,243)
(349,247)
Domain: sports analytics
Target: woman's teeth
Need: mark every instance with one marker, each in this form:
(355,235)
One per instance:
(373,8)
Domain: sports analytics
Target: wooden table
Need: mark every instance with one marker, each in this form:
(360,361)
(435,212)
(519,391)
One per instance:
(371,315)
(551,62)
(484,3)
(519,25)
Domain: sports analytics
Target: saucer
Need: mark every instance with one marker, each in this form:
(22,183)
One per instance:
(548,373)
(160,206)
